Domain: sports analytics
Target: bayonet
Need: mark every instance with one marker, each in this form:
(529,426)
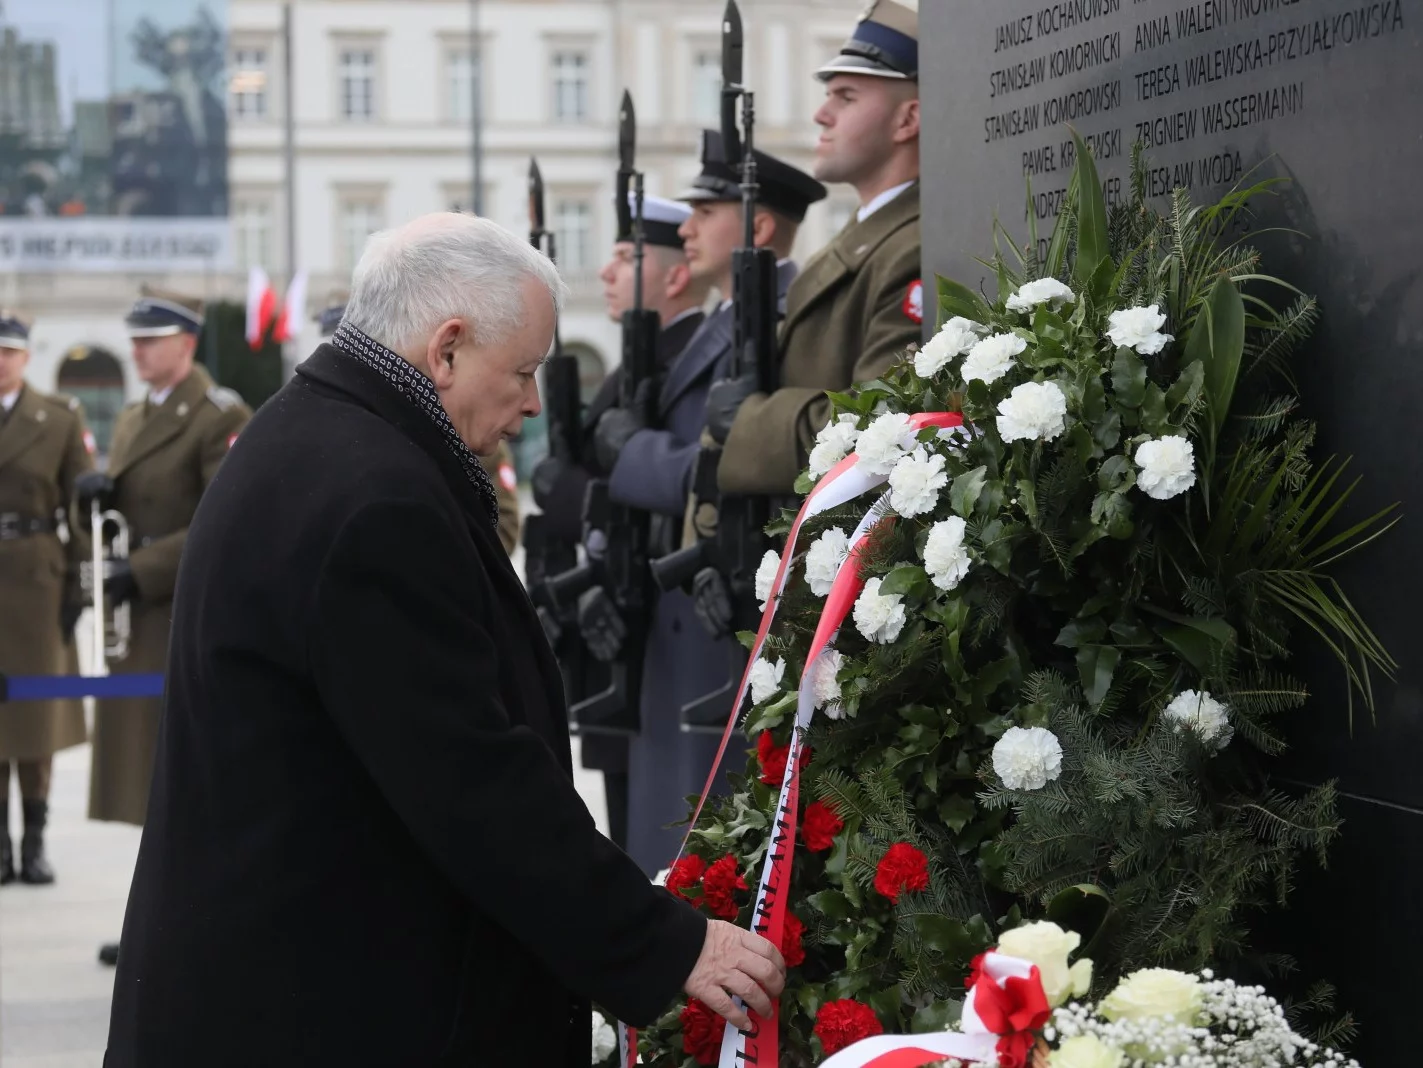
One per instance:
(732,51)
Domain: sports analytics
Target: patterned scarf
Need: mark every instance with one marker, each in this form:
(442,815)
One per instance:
(419,391)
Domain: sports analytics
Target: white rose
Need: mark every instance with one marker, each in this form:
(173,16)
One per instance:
(1048,946)
(1203,714)
(766,679)
(1033,410)
(1086,1051)
(1138,328)
(992,358)
(955,338)
(945,558)
(915,482)
(1027,758)
(605,1040)
(883,442)
(1040,291)
(766,577)
(1155,994)
(1167,467)
(879,619)
(825,686)
(832,444)
(823,560)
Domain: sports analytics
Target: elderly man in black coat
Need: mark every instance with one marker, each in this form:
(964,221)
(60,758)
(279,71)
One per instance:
(363,843)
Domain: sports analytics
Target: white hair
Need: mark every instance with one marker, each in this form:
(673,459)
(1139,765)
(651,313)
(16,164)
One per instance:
(445,266)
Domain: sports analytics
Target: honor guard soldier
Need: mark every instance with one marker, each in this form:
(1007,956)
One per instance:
(669,289)
(858,303)
(44,449)
(166,450)
(499,465)
(652,470)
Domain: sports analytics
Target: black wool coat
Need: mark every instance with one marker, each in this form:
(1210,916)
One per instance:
(363,843)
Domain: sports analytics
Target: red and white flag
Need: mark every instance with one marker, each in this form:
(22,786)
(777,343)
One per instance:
(293,309)
(261,307)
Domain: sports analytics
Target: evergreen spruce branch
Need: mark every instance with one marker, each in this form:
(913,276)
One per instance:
(1291,328)
(1268,419)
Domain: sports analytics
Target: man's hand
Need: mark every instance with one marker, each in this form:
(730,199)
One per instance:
(119,583)
(93,486)
(615,428)
(601,624)
(711,600)
(736,962)
(724,400)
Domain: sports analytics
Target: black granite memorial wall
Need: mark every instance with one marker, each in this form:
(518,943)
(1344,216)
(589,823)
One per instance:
(1328,93)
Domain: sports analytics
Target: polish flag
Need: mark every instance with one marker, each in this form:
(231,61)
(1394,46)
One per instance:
(261,307)
(293,309)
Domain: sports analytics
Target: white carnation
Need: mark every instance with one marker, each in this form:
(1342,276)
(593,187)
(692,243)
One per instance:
(1138,328)
(1033,410)
(1167,466)
(883,442)
(955,338)
(823,560)
(825,686)
(605,1040)
(879,619)
(992,358)
(832,444)
(766,679)
(766,577)
(945,558)
(915,482)
(1208,718)
(1040,291)
(1027,758)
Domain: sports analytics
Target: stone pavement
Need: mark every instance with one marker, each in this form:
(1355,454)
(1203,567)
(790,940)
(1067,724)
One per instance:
(54,994)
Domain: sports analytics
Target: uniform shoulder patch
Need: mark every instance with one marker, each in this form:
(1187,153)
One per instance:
(224,398)
(914,302)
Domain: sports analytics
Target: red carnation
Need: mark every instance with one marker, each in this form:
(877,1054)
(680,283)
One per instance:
(819,826)
(721,880)
(773,758)
(841,1023)
(791,948)
(903,867)
(701,1032)
(684,874)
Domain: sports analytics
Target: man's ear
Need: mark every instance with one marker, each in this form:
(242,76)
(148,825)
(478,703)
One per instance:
(440,352)
(764,229)
(676,279)
(906,121)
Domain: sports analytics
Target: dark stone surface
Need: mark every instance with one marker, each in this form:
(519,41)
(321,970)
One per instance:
(1327,93)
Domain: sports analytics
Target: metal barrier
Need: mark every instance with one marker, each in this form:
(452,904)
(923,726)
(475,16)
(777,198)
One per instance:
(57,687)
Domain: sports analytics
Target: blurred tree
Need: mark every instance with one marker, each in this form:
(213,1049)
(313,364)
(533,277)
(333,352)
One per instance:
(223,350)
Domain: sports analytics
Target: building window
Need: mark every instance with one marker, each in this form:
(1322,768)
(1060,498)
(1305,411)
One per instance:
(358,84)
(570,86)
(252,233)
(248,84)
(573,229)
(360,217)
(463,69)
(706,88)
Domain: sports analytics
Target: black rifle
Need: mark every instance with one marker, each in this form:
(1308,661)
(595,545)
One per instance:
(621,574)
(546,555)
(735,550)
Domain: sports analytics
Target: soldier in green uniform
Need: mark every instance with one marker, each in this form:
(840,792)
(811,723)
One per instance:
(166,450)
(499,465)
(857,304)
(44,448)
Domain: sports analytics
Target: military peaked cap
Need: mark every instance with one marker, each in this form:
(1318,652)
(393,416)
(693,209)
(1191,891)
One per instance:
(158,313)
(784,189)
(661,219)
(885,43)
(14,331)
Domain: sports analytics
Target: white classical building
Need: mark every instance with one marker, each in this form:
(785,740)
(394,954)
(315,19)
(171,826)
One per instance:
(383,103)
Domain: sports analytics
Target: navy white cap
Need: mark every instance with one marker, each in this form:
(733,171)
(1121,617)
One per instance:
(14,331)
(784,189)
(661,218)
(162,314)
(885,43)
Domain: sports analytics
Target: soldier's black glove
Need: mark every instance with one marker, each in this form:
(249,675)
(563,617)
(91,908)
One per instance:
(724,400)
(615,428)
(93,486)
(601,624)
(548,473)
(119,583)
(711,600)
